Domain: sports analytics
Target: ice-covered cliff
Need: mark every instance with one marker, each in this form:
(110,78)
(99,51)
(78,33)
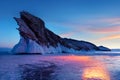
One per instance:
(36,38)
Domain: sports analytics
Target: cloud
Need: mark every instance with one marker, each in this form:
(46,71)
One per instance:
(105,25)
(105,29)
(111,20)
(111,37)
(99,25)
(69,34)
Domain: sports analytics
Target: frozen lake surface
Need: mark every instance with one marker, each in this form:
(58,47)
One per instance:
(60,67)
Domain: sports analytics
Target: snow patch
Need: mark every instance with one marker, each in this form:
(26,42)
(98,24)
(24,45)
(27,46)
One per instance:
(26,45)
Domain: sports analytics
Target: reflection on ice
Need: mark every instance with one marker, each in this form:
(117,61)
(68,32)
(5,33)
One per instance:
(93,69)
(95,73)
(90,68)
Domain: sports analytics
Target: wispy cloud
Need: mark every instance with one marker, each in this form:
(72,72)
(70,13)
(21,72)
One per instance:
(105,29)
(111,37)
(69,34)
(105,25)
(111,20)
(100,25)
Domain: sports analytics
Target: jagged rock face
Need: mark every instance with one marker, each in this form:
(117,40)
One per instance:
(36,38)
(34,28)
(80,45)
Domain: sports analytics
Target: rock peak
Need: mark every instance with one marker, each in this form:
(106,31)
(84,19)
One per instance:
(29,16)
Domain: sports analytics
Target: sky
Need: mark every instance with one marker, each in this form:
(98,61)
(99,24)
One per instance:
(96,21)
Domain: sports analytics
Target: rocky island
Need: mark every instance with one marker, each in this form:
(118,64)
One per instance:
(36,38)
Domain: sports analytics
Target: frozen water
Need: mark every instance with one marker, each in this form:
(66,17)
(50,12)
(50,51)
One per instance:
(66,67)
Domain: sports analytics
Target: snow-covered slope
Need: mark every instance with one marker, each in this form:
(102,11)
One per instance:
(36,38)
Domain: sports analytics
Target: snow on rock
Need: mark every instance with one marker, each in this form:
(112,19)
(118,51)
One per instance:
(36,38)
(30,46)
(21,46)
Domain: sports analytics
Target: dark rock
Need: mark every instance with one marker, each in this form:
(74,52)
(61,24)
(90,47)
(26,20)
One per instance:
(102,48)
